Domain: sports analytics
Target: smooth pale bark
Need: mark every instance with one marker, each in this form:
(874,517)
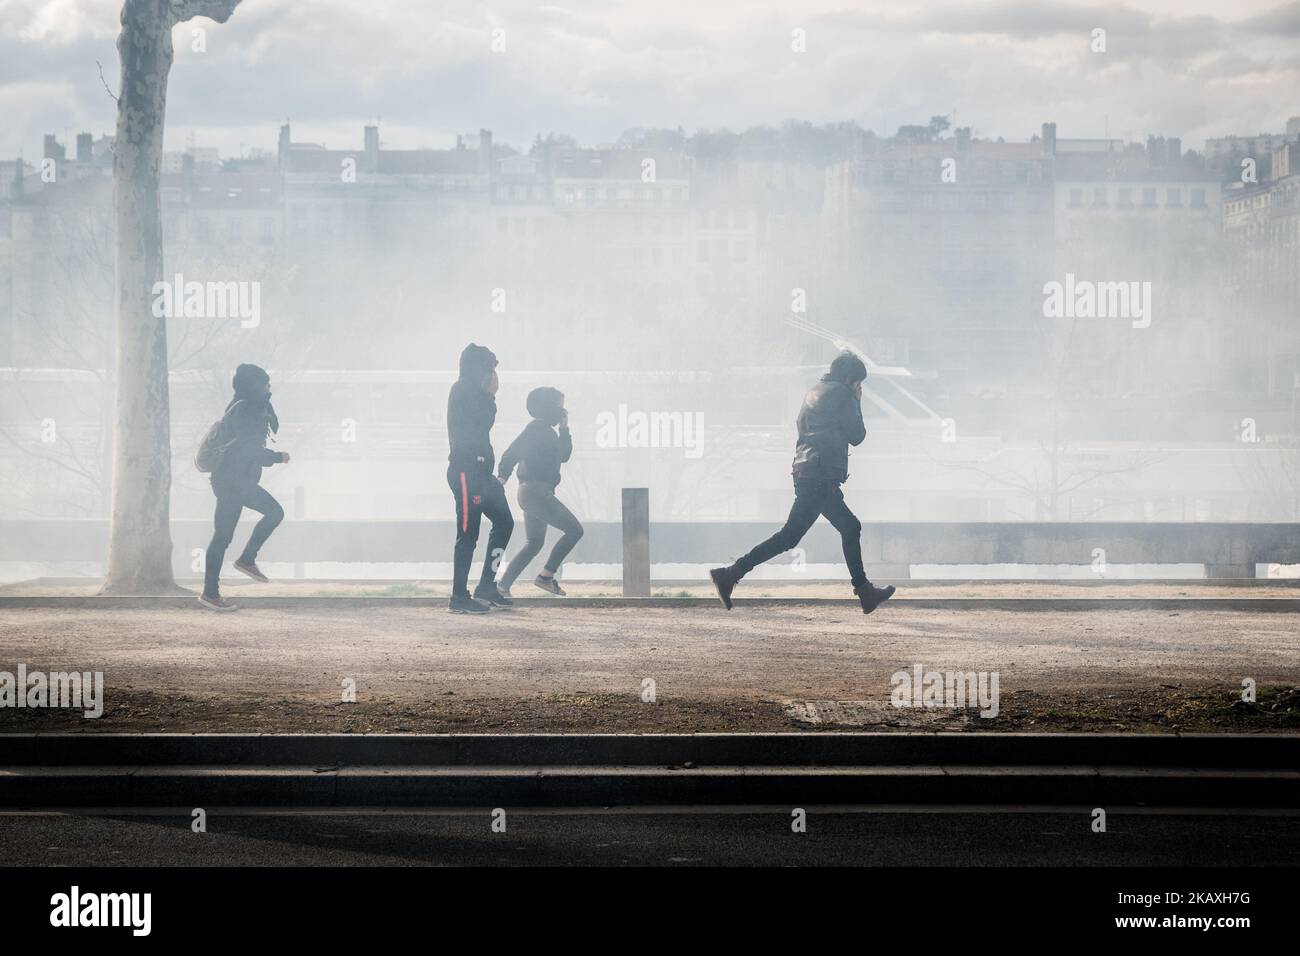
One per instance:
(140,546)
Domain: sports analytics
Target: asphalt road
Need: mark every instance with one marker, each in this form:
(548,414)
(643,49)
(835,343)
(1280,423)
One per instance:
(687,836)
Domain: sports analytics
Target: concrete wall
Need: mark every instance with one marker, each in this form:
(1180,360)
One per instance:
(1229,550)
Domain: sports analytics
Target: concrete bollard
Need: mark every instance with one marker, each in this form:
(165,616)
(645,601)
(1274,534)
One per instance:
(636,542)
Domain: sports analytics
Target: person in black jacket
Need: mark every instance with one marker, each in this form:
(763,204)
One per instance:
(539,451)
(829,422)
(249,420)
(471,413)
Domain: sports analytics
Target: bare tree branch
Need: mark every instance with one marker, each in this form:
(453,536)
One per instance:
(104,81)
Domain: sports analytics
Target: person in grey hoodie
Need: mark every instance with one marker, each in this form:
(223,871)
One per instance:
(829,422)
(539,451)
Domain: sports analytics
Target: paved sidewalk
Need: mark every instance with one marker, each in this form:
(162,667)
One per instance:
(589,669)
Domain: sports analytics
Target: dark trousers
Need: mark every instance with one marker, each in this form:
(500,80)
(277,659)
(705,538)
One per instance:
(541,510)
(812,497)
(478,493)
(231,501)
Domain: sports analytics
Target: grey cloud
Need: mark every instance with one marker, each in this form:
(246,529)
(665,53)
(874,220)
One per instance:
(585,70)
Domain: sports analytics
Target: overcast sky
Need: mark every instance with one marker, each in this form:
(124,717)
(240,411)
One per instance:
(426,71)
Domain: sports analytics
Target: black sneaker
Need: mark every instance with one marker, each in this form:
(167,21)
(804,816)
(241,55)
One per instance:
(489,594)
(871,597)
(549,584)
(725,582)
(464,604)
(252,570)
(216,602)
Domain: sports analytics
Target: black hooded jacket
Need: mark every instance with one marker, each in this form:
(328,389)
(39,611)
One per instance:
(471,413)
(250,420)
(830,421)
(539,451)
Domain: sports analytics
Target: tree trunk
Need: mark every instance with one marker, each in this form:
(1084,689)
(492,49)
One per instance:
(140,546)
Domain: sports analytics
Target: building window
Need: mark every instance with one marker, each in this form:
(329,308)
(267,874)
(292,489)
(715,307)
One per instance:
(1173,197)
(1149,198)
(1125,196)
(1099,196)
(1076,197)
(1198,197)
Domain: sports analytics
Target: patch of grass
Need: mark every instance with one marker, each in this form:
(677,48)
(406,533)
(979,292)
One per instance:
(1275,706)
(407,589)
(400,589)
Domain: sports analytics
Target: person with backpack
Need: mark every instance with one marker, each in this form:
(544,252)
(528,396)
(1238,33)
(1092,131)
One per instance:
(539,451)
(471,413)
(235,452)
(828,423)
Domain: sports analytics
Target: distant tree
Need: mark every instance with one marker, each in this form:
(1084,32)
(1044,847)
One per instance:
(552,141)
(719,145)
(802,142)
(923,134)
(914,134)
(664,139)
(761,142)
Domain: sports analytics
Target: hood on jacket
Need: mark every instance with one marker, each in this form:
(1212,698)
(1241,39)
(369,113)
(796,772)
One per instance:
(248,384)
(847,368)
(249,381)
(545,404)
(476,363)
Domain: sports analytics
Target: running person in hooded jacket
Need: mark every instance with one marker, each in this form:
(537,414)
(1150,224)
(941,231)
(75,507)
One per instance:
(539,451)
(829,422)
(250,419)
(471,413)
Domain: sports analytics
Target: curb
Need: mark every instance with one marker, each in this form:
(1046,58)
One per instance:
(179,602)
(122,770)
(584,786)
(817,749)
